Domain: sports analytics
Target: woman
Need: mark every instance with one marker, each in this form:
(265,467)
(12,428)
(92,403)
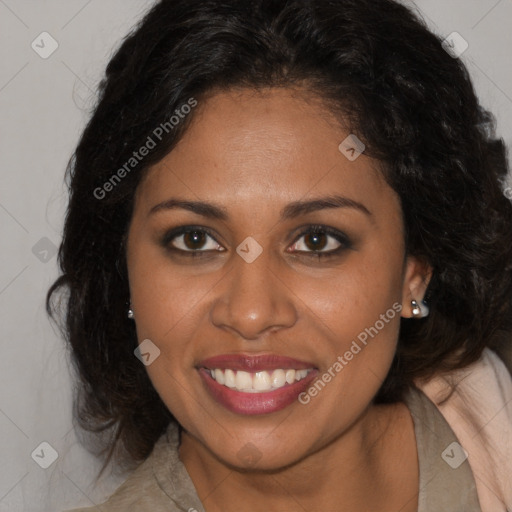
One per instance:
(287,220)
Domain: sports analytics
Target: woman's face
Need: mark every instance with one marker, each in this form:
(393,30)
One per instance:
(294,260)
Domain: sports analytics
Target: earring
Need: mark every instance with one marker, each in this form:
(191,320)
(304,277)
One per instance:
(419,311)
(130,314)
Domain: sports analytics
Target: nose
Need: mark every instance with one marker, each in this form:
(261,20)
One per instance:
(252,299)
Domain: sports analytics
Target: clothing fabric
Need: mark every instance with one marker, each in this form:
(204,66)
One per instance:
(161,483)
(477,403)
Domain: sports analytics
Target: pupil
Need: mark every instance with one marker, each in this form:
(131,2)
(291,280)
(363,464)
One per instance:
(194,239)
(317,240)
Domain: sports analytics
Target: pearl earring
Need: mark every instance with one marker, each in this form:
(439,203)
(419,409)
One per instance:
(419,311)
(130,314)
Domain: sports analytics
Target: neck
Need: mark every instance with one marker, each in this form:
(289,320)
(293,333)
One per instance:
(334,476)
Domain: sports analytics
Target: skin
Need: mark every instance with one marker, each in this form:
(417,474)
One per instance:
(252,154)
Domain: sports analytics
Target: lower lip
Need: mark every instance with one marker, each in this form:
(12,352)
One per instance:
(255,403)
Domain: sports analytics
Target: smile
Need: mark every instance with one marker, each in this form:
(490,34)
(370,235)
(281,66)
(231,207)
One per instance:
(257,382)
(251,384)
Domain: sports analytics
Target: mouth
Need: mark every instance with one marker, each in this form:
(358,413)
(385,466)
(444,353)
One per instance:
(258,382)
(251,385)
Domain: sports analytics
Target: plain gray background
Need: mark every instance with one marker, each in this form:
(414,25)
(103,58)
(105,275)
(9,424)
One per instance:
(44,104)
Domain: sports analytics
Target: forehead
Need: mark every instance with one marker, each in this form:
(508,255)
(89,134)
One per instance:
(255,147)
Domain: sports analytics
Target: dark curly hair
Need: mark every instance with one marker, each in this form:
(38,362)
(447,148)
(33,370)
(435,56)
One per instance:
(375,64)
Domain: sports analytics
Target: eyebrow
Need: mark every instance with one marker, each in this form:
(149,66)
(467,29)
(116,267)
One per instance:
(290,211)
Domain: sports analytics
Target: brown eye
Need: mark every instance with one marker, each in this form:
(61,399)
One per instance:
(191,240)
(194,240)
(315,241)
(321,241)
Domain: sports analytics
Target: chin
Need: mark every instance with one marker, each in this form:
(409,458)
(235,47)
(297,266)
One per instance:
(255,456)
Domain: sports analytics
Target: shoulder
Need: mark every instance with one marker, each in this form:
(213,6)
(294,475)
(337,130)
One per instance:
(139,490)
(476,401)
(143,490)
(475,392)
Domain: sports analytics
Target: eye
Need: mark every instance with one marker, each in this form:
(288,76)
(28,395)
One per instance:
(316,241)
(321,241)
(191,239)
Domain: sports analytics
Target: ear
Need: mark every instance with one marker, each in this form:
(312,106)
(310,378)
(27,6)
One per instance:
(417,276)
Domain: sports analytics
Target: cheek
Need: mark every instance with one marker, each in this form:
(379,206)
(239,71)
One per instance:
(353,296)
(357,310)
(358,324)
(361,331)
(162,297)
(166,305)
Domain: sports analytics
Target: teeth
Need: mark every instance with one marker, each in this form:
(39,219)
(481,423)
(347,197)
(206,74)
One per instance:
(258,381)
(278,378)
(218,375)
(243,381)
(261,381)
(229,378)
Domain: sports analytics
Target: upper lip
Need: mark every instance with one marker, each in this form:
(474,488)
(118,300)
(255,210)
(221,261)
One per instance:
(254,363)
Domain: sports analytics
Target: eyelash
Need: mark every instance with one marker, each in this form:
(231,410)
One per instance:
(340,237)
